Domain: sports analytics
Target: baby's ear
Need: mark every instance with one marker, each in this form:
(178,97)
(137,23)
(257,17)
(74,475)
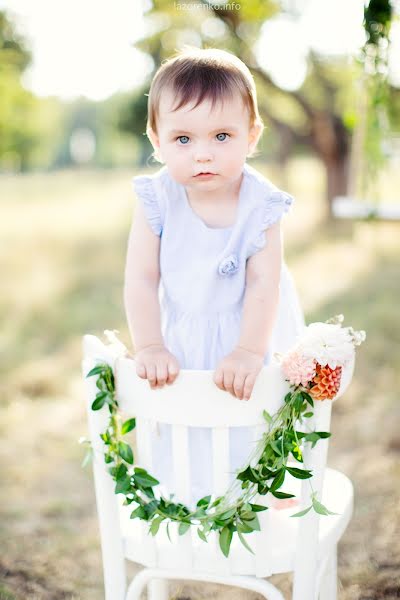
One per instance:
(155,142)
(154,139)
(254,135)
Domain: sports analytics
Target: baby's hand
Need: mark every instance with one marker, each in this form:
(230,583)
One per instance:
(237,372)
(156,364)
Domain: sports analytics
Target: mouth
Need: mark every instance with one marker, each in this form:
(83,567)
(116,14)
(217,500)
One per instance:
(205,174)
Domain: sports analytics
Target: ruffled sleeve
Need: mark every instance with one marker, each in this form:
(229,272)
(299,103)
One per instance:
(146,192)
(275,205)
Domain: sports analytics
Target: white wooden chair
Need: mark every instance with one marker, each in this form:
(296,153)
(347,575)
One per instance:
(306,546)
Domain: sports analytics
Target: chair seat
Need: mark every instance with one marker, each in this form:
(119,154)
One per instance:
(274,546)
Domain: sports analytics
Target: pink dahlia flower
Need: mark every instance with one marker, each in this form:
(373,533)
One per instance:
(298,369)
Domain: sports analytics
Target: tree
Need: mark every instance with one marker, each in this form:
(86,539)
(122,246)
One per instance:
(18,135)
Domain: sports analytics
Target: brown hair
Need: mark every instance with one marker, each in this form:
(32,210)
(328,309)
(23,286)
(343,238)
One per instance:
(196,74)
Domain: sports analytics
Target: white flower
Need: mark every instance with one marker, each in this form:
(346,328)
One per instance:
(327,343)
(358,336)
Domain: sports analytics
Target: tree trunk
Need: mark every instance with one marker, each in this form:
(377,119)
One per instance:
(331,141)
(337,177)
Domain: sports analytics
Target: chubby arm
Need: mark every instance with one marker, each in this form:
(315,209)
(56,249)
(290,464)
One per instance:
(142,307)
(237,372)
(262,294)
(142,276)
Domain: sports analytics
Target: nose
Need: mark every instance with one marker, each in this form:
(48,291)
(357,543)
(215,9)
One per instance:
(202,154)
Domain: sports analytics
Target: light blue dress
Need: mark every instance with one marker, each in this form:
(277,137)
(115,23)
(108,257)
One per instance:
(201,295)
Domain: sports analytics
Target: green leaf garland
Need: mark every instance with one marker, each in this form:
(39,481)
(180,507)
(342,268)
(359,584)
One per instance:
(264,472)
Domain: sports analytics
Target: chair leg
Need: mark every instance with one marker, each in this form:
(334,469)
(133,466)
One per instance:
(157,589)
(328,586)
(138,584)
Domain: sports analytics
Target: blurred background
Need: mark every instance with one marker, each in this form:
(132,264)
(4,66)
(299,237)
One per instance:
(73,83)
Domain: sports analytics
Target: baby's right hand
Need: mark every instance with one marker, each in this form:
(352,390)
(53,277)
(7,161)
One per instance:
(156,364)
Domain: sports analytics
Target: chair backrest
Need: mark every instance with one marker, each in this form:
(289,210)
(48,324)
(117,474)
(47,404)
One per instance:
(194,401)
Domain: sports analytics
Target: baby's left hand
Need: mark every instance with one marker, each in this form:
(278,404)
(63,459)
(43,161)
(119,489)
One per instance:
(237,372)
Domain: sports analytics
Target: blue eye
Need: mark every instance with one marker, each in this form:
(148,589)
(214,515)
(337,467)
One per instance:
(223,134)
(183,139)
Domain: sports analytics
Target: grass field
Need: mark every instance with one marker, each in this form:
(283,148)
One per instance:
(63,250)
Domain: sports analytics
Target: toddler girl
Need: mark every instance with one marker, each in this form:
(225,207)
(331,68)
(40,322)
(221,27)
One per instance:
(206,286)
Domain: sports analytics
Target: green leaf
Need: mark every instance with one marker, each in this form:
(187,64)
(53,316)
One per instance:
(258,507)
(96,370)
(101,384)
(99,401)
(308,415)
(128,426)
(143,478)
(150,508)
(169,537)
(254,523)
(227,514)
(262,489)
(183,527)
(321,509)
(123,485)
(216,502)
(314,436)
(299,473)
(298,402)
(243,527)
(120,472)
(204,501)
(247,515)
(266,472)
(200,512)
(323,434)
(201,535)
(277,447)
(303,512)
(267,417)
(283,495)
(139,513)
(155,525)
(307,397)
(248,474)
(225,539)
(288,397)
(105,437)
(311,437)
(296,452)
(125,452)
(278,480)
(245,544)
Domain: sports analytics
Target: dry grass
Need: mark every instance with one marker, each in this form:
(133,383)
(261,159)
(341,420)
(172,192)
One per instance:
(64,238)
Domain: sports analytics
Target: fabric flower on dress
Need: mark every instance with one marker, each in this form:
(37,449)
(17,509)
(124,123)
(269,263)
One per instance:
(229,265)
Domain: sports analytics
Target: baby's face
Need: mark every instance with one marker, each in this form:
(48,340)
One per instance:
(194,140)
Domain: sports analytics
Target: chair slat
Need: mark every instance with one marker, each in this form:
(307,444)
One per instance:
(145,460)
(220,453)
(181,461)
(180,454)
